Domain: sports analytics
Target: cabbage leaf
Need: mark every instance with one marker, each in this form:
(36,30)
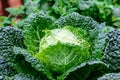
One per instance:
(34,26)
(85,71)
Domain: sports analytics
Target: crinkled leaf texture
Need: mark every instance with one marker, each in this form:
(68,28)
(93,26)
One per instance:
(85,71)
(112,50)
(25,63)
(61,49)
(6,70)
(76,20)
(110,76)
(100,41)
(10,37)
(33,30)
(22,76)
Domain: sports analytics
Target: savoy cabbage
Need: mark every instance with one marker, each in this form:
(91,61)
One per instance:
(44,50)
(61,50)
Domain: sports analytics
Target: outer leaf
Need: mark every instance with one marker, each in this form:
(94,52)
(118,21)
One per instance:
(100,41)
(6,70)
(112,50)
(85,71)
(76,20)
(23,76)
(25,63)
(33,30)
(10,37)
(16,11)
(110,76)
(61,49)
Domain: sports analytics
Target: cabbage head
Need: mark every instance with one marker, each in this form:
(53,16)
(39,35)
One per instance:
(62,49)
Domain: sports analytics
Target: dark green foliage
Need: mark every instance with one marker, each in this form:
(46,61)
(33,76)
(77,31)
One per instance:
(23,76)
(110,76)
(25,63)
(20,64)
(9,37)
(112,50)
(100,41)
(100,10)
(6,70)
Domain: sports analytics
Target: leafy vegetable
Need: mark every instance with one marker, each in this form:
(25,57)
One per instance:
(61,49)
(54,54)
